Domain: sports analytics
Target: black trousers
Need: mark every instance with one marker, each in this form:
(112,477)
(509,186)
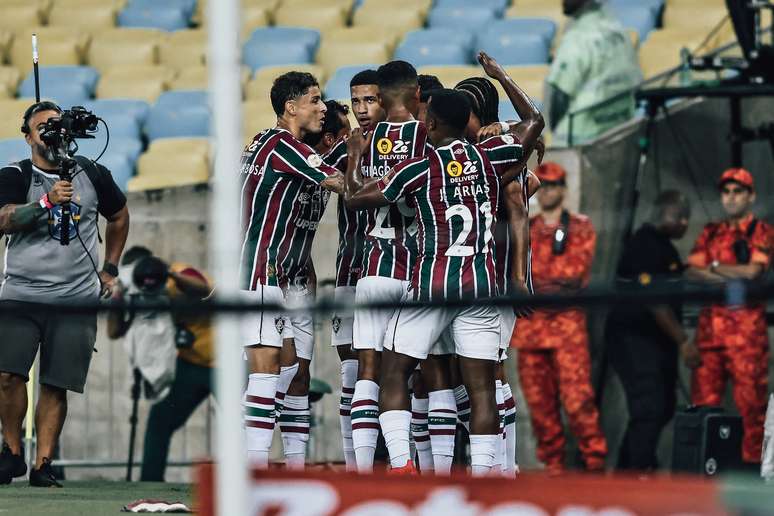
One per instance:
(647,368)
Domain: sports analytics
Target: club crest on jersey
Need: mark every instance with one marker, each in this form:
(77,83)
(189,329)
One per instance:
(507,138)
(55,221)
(454,168)
(336,324)
(279,324)
(314,160)
(384,146)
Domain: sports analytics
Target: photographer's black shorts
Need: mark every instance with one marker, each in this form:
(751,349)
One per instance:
(66,343)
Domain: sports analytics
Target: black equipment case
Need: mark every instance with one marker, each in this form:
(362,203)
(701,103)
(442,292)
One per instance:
(707,441)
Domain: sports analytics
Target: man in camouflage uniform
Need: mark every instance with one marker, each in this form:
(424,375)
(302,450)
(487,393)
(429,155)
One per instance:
(553,358)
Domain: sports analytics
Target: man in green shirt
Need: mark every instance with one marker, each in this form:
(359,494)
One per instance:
(595,62)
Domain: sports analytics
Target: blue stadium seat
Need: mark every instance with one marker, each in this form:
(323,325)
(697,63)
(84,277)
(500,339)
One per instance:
(521,26)
(441,52)
(270,46)
(508,112)
(67,95)
(13,149)
(461,18)
(499,6)
(436,34)
(515,49)
(121,168)
(111,109)
(129,146)
(164,18)
(174,122)
(643,19)
(655,5)
(183,98)
(337,87)
(188,6)
(52,77)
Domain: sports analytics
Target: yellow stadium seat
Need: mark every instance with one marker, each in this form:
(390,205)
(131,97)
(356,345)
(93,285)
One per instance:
(116,4)
(387,16)
(696,3)
(125,47)
(311,4)
(422,5)
(6,39)
(258,88)
(661,51)
(184,48)
(538,10)
(163,73)
(693,17)
(198,78)
(451,75)
(135,88)
(526,3)
(333,55)
(172,162)
(11,115)
(322,18)
(57,46)
(9,80)
(85,17)
(15,16)
(357,35)
(530,78)
(253,17)
(257,115)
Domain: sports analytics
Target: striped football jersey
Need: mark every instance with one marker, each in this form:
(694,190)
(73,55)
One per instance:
(456,194)
(390,231)
(281,205)
(502,238)
(352,224)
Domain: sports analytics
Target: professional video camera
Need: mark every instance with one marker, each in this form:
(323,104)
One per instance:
(60,133)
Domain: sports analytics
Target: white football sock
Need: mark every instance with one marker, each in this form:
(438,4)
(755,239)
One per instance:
(419,432)
(285,377)
(396,426)
(499,460)
(348,379)
(511,464)
(294,425)
(442,423)
(463,406)
(365,423)
(259,417)
(482,454)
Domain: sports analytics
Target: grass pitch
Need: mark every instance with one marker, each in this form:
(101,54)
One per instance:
(91,498)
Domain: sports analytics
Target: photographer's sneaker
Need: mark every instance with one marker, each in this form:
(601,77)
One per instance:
(44,476)
(11,466)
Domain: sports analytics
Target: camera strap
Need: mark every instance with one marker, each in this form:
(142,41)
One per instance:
(92,172)
(25,166)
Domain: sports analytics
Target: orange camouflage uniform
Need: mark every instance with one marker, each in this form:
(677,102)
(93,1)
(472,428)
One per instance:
(553,359)
(733,341)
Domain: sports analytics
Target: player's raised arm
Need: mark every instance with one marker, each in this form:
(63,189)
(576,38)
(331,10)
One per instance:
(359,193)
(532,122)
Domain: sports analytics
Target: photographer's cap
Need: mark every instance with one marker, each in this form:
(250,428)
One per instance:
(551,172)
(737,175)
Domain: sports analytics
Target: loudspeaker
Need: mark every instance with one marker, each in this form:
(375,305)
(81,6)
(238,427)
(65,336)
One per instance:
(707,441)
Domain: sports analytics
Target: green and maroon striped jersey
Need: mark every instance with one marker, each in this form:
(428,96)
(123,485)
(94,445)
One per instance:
(280,207)
(352,224)
(502,240)
(456,194)
(391,246)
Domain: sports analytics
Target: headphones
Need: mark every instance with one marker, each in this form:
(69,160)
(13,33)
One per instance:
(561,234)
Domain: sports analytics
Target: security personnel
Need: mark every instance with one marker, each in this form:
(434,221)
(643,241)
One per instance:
(733,340)
(553,357)
(643,341)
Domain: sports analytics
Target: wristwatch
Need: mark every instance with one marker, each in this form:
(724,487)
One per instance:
(111,269)
(714,265)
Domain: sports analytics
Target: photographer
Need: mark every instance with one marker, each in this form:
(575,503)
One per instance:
(39,270)
(173,353)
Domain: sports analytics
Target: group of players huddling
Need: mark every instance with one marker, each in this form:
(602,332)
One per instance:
(432,206)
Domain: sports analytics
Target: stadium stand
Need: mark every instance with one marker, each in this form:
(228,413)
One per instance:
(432,52)
(313,15)
(165,18)
(498,6)
(386,16)
(172,162)
(258,87)
(184,48)
(62,46)
(53,77)
(280,45)
(333,55)
(176,121)
(13,149)
(121,47)
(337,86)
(468,19)
(9,80)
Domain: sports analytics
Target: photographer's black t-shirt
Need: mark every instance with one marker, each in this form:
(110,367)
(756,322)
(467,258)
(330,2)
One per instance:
(38,268)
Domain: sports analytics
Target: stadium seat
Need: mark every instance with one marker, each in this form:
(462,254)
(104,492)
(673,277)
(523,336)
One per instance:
(271,46)
(507,112)
(254,17)
(386,16)
(498,6)
(184,48)
(118,47)
(333,55)
(120,125)
(550,11)
(16,16)
(517,27)
(641,18)
(514,48)
(174,121)
(120,108)
(308,37)
(257,116)
(357,35)
(172,162)
(337,86)
(138,88)
(424,5)
(57,45)
(9,81)
(122,145)
(13,149)
(322,18)
(259,86)
(661,51)
(65,95)
(451,75)
(121,168)
(430,36)
(187,6)
(157,17)
(85,17)
(183,98)
(468,19)
(52,77)
(693,18)
(438,52)
(530,78)
(117,4)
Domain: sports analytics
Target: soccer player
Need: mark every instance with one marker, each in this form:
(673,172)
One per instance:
(427,83)
(390,246)
(455,191)
(277,168)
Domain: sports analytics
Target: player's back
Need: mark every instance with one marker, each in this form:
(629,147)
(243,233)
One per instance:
(457,208)
(390,233)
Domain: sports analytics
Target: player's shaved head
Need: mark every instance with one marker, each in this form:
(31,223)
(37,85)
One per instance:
(365,78)
(428,83)
(398,86)
(290,86)
(449,110)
